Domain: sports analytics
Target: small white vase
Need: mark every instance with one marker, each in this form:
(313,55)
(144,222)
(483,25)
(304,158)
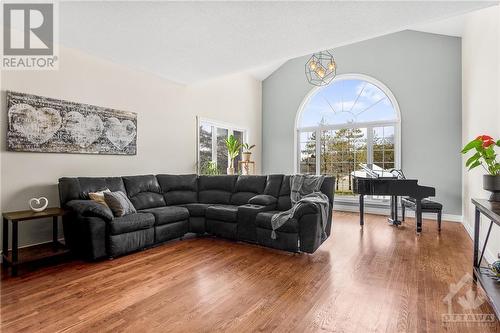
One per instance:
(230,171)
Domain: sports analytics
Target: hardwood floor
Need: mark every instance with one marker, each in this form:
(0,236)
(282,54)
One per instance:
(379,279)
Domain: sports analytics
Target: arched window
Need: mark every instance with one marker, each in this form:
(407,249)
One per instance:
(354,120)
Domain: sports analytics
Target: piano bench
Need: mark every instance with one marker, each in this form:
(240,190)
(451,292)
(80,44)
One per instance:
(428,206)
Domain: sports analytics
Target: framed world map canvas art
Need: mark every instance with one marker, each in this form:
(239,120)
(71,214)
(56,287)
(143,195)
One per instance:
(47,125)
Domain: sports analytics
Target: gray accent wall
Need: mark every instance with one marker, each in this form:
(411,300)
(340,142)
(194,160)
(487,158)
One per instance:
(422,70)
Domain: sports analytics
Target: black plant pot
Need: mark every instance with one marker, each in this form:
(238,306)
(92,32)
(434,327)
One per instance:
(492,184)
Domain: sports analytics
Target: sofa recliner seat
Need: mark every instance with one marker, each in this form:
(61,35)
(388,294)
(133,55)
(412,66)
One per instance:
(170,206)
(131,223)
(168,214)
(196,209)
(225,213)
(263,220)
(170,222)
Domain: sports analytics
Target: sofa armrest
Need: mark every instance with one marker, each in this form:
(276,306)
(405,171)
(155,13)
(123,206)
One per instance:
(85,235)
(90,208)
(306,208)
(96,233)
(310,233)
(263,200)
(311,230)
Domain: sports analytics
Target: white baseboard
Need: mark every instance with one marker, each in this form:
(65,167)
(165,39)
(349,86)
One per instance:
(488,255)
(385,211)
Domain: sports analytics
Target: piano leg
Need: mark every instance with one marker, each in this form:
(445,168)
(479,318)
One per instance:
(361,210)
(392,208)
(418,215)
(394,211)
(396,221)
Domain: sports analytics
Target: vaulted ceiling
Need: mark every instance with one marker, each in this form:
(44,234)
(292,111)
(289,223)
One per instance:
(188,42)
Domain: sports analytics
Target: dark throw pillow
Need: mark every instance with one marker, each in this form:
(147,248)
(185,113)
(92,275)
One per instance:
(263,200)
(119,204)
(90,208)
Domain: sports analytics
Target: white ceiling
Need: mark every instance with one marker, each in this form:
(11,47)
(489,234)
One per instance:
(452,26)
(188,42)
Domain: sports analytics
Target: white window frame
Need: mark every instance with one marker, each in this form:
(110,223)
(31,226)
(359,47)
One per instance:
(231,128)
(369,125)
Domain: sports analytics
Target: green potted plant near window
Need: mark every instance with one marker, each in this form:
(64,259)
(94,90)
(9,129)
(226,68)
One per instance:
(247,152)
(209,168)
(486,157)
(233,150)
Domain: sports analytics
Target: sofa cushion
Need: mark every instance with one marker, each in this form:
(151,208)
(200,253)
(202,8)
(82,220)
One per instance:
(284,201)
(197,209)
(263,200)
(328,188)
(131,222)
(130,241)
(247,187)
(227,213)
(273,185)
(144,191)
(179,189)
(169,214)
(99,196)
(216,189)
(255,184)
(93,184)
(79,188)
(119,204)
(170,231)
(263,220)
(90,208)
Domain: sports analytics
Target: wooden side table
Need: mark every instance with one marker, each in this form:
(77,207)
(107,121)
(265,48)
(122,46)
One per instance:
(11,258)
(491,287)
(244,167)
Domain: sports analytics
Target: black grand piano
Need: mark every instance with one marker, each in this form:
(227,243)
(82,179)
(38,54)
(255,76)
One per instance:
(373,180)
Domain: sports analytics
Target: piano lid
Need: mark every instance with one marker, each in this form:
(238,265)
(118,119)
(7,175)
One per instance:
(372,171)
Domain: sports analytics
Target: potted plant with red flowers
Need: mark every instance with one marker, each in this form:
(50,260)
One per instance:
(486,157)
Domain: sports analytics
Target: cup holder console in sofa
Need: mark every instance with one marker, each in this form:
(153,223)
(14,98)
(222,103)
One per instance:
(170,206)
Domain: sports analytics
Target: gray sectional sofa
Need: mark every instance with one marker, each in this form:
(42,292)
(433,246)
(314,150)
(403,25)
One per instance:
(170,206)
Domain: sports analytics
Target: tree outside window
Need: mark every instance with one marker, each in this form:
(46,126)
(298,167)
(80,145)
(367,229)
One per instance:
(350,122)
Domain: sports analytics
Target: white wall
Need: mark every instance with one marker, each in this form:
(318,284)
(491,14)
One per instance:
(481,103)
(233,99)
(166,138)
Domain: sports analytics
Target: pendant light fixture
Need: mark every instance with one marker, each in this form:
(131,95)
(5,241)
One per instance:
(321,68)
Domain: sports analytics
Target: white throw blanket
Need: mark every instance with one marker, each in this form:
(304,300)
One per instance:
(304,190)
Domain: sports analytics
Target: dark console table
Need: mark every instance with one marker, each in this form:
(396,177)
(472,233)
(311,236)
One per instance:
(492,288)
(11,258)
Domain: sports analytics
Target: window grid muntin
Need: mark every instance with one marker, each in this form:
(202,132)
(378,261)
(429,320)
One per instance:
(214,125)
(369,145)
(395,121)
